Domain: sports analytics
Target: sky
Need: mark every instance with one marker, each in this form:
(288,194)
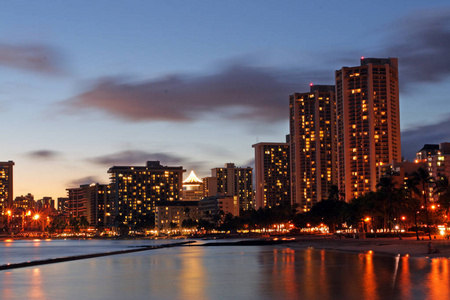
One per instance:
(86,85)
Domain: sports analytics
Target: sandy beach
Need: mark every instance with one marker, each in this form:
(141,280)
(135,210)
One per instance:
(390,246)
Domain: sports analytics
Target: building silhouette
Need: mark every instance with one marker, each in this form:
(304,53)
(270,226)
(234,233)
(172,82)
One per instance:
(6,185)
(368,123)
(272,175)
(135,190)
(312,145)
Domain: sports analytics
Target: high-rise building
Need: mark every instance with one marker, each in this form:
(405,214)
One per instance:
(272,175)
(135,191)
(233,181)
(6,185)
(312,145)
(368,123)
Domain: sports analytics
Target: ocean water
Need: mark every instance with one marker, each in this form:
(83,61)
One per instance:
(225,272)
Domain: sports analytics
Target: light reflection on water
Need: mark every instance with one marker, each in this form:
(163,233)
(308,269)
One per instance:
(233,273)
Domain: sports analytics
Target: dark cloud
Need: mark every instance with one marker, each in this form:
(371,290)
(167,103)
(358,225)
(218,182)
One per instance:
(135,157)
(421,41)
(241,91)
(414,139)
(82,181)
(35,58)
(237,92)
(43,154)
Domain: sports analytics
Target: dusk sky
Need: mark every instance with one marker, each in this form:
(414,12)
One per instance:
(86,85)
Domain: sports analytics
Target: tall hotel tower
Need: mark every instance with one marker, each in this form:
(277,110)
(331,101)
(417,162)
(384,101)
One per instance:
(312,145)
(368,123)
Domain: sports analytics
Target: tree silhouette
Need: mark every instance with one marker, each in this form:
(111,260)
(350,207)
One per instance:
(425,180)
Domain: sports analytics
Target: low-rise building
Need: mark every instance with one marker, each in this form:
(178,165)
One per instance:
(171,214)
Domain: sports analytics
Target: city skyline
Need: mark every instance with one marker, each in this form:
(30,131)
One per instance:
(195,85)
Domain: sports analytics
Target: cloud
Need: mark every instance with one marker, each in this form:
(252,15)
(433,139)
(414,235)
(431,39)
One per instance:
(414,139)
(237,92)
(422,43)
(35,58)
(82,181)
(43,154)
(135,157)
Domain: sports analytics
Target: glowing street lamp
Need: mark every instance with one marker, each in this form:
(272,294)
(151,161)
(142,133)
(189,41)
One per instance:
(36,217)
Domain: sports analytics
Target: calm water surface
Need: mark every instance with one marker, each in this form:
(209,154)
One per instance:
(229,272)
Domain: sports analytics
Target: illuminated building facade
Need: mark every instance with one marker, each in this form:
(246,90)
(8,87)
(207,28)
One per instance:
(211,207)
(438,166)
(209,186)
(233,181)
(427,151)
(171,214)
(26,202)
(368,123)
(135,191)
(192,188)
(77,203)
(272,175)
(312,145)
(400,172)
(96,202)
(63,203)
(6,185)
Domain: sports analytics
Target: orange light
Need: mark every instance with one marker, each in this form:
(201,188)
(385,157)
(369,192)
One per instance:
(36,217)
(367,219)
(9,212)
(433,206)
(403,218)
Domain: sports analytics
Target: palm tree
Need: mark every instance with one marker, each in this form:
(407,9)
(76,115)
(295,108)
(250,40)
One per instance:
(442,189)
(411,188)
(425,180)
(387,191)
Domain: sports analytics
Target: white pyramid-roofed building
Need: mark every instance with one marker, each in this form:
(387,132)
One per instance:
(192,188)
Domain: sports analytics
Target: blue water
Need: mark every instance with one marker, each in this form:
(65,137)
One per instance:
(229,272)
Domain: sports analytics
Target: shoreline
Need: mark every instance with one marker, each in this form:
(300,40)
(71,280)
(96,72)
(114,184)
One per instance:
(409,247)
